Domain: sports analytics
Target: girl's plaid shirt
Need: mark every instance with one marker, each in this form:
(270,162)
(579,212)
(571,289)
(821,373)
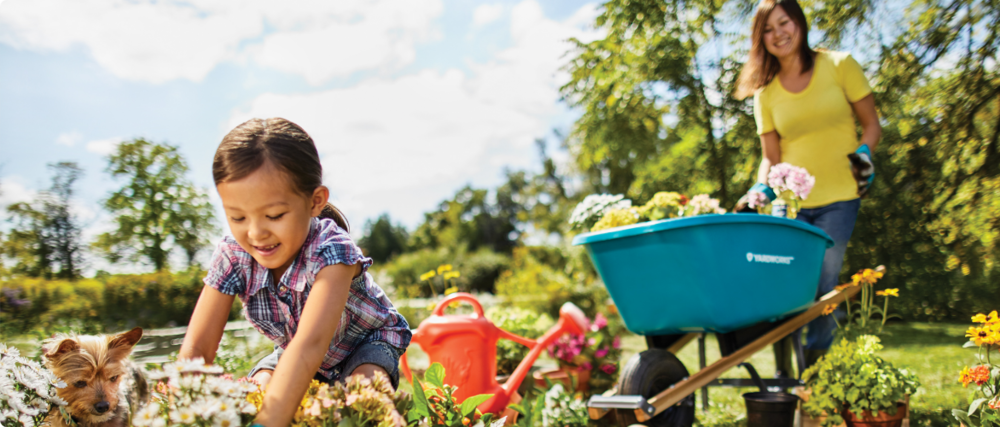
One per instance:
(275,309)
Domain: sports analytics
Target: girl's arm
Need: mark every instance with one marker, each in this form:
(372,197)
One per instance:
(871,129)
(771,146)
(301,359)
(207,324)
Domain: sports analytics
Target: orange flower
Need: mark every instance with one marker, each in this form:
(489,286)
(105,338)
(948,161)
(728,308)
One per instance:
(980,374)
(841,287)
(829,309)
(995,403)
(964,377)
(866,277)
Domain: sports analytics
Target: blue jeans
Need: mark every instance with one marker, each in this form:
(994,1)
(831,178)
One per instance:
(837,220)
(377,353)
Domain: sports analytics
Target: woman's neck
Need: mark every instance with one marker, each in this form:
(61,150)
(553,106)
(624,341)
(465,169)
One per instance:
(791,65)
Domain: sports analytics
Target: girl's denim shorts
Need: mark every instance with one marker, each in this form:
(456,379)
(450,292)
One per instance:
(378,353)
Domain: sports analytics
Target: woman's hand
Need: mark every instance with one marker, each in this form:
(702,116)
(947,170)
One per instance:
(871,132)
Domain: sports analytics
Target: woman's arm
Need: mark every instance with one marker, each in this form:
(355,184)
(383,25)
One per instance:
(771,154)
(871,129)
(301,359)
(207,324)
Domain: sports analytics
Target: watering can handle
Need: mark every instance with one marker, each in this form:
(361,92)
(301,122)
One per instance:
(459,296)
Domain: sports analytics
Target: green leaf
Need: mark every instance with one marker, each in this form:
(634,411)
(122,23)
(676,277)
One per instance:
(346,422)
(962,416)
(975,405)
(435,375)
(420,406)
(472,402)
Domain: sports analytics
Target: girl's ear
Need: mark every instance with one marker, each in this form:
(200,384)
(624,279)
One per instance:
(320,197)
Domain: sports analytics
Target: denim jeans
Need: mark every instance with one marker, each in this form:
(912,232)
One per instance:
(837,220)
(377,353)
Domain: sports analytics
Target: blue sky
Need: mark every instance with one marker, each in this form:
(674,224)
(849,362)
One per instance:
(407,100)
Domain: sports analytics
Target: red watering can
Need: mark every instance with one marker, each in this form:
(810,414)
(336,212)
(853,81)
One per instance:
(466,345)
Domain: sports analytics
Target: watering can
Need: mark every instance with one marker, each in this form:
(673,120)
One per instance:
(466,345)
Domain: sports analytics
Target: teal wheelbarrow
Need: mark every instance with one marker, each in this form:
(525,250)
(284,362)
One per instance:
(750,279)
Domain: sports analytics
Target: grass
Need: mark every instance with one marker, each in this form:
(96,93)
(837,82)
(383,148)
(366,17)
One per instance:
(933,351)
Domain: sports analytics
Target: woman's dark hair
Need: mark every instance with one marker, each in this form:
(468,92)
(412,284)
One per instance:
(283,144)
(761,66)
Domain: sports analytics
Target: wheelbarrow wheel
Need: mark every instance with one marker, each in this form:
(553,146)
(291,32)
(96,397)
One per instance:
(647,374)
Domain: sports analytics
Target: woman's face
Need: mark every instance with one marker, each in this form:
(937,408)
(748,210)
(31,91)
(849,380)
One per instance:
(781,35)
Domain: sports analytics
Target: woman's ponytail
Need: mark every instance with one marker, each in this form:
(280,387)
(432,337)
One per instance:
(330,211)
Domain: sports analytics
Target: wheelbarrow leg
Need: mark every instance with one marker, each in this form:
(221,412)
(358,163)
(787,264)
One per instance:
(701,365)
(800,355)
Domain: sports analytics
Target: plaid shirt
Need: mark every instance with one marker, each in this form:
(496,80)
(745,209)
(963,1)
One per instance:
(275,310)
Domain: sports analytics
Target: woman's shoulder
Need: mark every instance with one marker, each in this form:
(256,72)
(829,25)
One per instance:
(833,57)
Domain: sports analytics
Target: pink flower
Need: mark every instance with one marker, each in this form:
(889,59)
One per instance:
(567,347)
(609,368)
(616,343)
(599,322)
(586,366)
(601,353)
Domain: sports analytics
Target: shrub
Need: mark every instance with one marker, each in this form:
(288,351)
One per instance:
(535,286)
(479,270)
(517,321)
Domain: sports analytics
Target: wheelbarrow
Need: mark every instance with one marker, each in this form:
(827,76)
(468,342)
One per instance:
(750,279)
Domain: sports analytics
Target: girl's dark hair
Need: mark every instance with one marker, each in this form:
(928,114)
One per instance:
(283,144)
(761,66)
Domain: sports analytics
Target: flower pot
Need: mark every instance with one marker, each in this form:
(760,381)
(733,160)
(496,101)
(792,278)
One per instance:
(565,376)
(881,419)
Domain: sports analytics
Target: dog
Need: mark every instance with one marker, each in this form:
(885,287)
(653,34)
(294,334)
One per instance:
(103,386)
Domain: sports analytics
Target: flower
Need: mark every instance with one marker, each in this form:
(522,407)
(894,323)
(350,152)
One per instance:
(866,276)
(599,323)
(428,275)
(443,268)
(595,206)
(829,309)
(839,288)
(601,353)
(980,374)
(756,199)
(891,292)
(451,275)
(702,204)
(983,318)
(609,368)
(785,177)
(616,343)
(617,218)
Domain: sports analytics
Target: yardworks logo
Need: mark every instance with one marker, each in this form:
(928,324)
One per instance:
(769,259)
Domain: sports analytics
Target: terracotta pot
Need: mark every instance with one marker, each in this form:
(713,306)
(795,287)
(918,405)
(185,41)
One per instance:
(563,375)
(881,419)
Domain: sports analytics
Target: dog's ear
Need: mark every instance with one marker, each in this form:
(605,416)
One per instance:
(125,340)
(63,347)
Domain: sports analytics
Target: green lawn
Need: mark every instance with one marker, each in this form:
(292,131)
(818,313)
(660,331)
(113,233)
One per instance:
(933,351)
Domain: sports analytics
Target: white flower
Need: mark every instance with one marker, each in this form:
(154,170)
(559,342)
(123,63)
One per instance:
(182,416)
(147,414)
(227,419)
(590,210)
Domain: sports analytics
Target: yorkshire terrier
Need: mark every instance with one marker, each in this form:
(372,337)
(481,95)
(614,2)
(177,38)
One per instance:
(103,386)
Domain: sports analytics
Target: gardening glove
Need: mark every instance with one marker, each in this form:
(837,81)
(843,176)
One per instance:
(743,205)
(863,168)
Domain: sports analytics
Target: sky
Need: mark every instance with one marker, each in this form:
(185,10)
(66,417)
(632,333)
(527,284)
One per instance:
(407,100)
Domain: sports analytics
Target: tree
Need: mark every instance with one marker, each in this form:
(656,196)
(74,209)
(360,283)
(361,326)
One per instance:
(45,238)
(157,210)
(471,220)
(383,239)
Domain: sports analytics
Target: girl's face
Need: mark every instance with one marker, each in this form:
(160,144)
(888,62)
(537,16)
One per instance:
(781,35)
(268,218)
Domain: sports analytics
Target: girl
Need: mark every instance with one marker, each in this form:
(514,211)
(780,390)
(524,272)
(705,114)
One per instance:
(805,105)
(303,282)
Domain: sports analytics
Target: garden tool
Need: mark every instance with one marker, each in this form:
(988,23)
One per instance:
(466,345)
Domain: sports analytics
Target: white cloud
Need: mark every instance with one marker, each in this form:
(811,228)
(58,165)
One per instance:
(162,40)
(13,190)
(404,144)
(486,13)
(104,146)
(69,139)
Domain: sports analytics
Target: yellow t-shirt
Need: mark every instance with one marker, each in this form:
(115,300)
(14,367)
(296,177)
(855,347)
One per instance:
(816,126)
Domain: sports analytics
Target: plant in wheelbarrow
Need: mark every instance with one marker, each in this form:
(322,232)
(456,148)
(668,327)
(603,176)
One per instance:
(984,411)
(851,384)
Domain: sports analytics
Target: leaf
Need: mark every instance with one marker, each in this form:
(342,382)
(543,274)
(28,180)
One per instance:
(346,422)
(472,402)
(975,405)
(969,344)
(963,417)
(435,375)
(420,406)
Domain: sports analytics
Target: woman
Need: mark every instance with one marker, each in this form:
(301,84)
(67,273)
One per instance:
(805,105)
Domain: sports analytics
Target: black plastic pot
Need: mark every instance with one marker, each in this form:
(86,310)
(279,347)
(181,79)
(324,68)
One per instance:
(767,409)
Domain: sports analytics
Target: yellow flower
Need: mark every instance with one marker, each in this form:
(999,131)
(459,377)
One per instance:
(839,288)
(964,377)
(856,279)
(451,275)
(979,318)
(829,309)
(444,268)
(988,319)
(984,335)
(451,290)
(866,277)
(428,275)
(891,292)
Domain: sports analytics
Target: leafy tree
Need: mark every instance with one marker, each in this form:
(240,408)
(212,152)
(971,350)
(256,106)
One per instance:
(157,210)
(45,238)
(382,239)
(471,220)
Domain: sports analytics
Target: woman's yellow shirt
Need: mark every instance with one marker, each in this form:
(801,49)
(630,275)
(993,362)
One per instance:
(816,126)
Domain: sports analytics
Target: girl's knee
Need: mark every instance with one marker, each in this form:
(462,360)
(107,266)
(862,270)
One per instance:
(369,370)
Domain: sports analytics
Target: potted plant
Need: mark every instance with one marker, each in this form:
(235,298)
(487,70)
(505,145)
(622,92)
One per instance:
(589,361)
(985,407)
(851,384)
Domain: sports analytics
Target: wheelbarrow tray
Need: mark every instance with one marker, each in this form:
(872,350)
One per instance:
(710,273)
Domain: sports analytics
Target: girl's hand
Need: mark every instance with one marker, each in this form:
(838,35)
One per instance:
(208,322)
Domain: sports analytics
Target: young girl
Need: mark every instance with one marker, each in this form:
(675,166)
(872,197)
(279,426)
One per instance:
(303,282)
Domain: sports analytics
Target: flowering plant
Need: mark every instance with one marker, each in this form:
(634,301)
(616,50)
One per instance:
(27,390)
(784,178)
(665,204)
(190,393)
(358,402)
(985,408)
(594,206)
(434,404)
(563,409)
(862,314)
(598,351)
(702,205)
(447,275)
(852,377)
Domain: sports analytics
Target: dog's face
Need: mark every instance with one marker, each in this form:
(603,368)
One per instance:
(92,368)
